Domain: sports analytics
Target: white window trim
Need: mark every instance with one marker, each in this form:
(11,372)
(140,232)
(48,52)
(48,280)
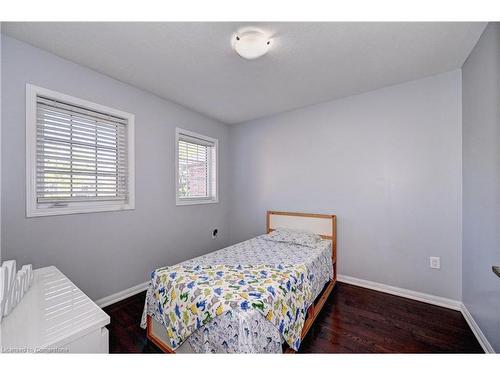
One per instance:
(32,209)
(193,201)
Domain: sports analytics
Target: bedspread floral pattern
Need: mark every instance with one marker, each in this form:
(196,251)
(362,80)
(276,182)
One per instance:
(249,331)
(191,296)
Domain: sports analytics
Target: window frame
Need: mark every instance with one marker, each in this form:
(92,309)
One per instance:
(33,209)
(193,201)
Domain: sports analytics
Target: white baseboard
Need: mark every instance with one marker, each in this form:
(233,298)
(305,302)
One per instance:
(483,341)
(109,300)
(411,294)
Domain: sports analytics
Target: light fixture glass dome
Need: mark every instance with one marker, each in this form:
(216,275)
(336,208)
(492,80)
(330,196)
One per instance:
(251,44)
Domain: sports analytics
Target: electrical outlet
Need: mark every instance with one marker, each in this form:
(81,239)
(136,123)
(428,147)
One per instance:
(435,262)
(215,233)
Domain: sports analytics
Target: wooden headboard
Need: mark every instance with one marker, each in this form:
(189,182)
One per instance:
(324,225)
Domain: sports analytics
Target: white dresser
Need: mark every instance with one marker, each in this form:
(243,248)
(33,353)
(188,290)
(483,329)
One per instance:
(55,316)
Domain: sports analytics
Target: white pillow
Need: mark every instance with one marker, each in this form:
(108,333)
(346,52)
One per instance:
(298,237)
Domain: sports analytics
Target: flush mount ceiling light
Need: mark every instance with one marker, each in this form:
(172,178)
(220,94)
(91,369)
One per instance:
(251,44)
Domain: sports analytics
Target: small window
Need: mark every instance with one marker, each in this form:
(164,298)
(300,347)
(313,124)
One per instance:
(196,168)
(79,155)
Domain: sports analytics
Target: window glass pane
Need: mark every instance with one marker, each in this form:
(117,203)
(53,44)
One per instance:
(193,170)
(81,154)
(197,171)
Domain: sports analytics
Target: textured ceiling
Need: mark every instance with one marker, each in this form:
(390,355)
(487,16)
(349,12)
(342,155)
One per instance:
(193,63)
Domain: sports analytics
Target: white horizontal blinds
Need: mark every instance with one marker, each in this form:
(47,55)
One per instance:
(195,162)
(81,154)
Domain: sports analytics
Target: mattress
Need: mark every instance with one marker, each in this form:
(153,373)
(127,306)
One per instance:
(248,331)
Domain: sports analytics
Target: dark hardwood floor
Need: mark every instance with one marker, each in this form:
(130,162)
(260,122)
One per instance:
(353,320)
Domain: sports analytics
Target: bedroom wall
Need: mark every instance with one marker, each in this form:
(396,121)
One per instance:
(481,183)
(107,252)
(1,259)
(387,162)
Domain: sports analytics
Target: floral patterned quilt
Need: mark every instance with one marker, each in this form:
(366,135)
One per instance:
(248,331)
(191,296)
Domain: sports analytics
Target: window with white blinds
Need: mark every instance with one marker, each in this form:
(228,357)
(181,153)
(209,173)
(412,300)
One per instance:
(80,155)
(196,161)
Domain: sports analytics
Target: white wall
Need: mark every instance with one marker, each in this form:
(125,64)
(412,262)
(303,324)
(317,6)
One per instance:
(481,183)
(104,253)
(0,143)
(387,162)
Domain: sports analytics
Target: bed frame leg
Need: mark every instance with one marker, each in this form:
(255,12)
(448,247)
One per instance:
(155,340)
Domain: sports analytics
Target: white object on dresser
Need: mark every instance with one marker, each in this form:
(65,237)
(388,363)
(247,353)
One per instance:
(56,317)
(13,285)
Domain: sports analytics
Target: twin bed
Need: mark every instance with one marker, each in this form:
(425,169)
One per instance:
(258,296)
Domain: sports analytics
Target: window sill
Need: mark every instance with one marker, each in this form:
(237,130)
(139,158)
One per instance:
(180,202)
(72,210)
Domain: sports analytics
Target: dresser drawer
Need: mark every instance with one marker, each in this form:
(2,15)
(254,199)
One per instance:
(96,341)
